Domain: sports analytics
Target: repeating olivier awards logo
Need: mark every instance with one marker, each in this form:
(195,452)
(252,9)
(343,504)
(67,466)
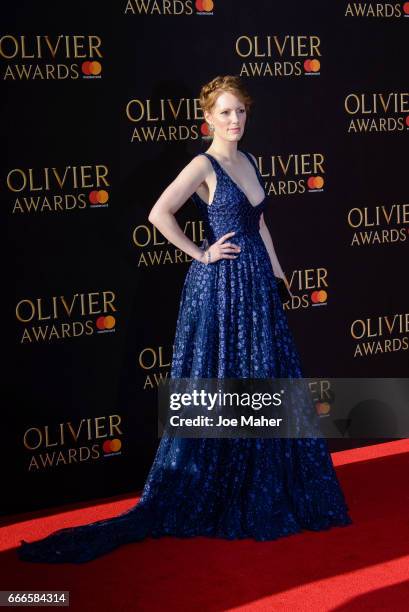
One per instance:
(58,190)
(286,55)
(38,57)
(65,317)
(155,363)
(309,288)
(165,119)
(377,112)
(378,225)
(153,249)
(90,439)
(293,173)
(373,336)
(380,10)
(169,7)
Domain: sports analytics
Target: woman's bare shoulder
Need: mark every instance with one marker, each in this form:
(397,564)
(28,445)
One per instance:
(202,159)
(199,163)
(198,167)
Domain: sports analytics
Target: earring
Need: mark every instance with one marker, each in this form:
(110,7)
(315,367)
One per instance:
(211,126)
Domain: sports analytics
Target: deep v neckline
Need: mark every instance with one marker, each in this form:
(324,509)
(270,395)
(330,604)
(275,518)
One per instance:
(236,184)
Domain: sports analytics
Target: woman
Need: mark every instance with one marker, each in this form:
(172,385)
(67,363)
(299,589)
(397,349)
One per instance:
(231,324)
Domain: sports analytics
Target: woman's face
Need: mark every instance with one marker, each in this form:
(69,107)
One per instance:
(228,116)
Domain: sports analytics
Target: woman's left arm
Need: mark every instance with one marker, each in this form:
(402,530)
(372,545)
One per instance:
(268,241)
(277,269)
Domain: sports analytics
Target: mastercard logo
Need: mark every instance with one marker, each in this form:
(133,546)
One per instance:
(312,66)
(104,323)
(406,9)
(91,68)
(315,182)
(112,446)
(322,408)
(319,297)
(99,196)
(204,6)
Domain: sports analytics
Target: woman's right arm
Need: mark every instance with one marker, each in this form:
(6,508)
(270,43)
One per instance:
(162,214)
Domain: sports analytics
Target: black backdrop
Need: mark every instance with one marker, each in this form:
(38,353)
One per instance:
(92,318)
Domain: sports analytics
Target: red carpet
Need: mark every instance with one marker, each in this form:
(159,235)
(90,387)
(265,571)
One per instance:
(364,566)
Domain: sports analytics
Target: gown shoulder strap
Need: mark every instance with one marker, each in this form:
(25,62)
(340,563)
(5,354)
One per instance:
(249,157)
(213,161)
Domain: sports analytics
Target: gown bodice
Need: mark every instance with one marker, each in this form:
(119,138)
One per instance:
(230,209)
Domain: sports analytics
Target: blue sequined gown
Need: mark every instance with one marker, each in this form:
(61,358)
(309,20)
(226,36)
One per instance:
(231,324)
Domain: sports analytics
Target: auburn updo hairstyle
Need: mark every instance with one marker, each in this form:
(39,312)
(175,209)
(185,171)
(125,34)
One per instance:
(233,84)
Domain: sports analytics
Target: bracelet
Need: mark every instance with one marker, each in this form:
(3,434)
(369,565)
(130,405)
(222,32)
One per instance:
(204,246)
